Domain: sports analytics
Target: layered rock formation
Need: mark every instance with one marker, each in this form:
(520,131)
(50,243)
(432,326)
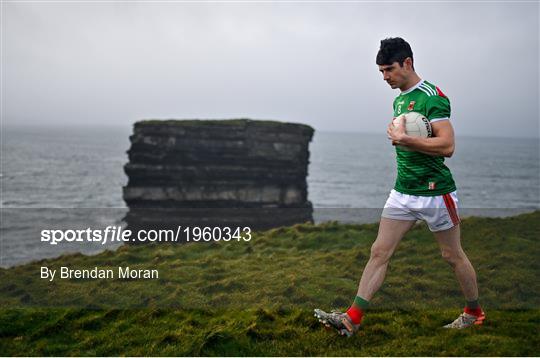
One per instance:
(218,172)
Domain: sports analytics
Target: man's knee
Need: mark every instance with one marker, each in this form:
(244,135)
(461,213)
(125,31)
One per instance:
(453,257)
(380,253)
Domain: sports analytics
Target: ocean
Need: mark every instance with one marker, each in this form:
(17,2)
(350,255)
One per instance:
(54,176)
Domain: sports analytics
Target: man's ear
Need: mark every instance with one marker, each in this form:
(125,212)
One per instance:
(408,62)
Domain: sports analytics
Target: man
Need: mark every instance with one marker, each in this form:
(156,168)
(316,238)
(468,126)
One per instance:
(424,190)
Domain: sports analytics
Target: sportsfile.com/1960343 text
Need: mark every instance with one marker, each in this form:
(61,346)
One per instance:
(113,234)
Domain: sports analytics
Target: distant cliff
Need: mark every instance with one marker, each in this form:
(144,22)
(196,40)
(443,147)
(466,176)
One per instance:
(239,171)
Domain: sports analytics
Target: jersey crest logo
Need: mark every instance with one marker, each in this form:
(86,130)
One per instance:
(411,105)
(431,185)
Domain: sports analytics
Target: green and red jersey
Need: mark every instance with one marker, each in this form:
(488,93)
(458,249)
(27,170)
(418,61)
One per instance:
(418,173)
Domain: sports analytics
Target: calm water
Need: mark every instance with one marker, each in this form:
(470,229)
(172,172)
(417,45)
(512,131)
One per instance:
(43,169)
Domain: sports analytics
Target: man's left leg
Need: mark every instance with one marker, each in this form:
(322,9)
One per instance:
(451,250)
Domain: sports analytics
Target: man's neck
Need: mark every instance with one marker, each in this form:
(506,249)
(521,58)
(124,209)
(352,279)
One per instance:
(413,81)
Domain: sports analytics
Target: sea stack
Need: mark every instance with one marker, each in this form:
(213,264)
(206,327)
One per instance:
(238,172)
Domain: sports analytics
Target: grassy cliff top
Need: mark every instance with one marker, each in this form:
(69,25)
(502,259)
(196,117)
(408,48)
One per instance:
(256,298)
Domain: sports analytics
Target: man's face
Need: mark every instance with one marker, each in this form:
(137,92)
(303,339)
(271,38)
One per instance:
(394,74)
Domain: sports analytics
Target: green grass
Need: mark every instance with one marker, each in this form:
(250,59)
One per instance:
(210,122)
(257,298)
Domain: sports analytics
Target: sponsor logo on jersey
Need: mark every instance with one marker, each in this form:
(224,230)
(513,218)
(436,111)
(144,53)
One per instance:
(411,105)
(431,185)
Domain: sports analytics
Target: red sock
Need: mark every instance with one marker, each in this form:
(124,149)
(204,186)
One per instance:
(356,314)
(475,312)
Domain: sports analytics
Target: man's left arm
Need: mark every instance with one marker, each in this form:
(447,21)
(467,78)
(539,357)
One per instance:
(440,145)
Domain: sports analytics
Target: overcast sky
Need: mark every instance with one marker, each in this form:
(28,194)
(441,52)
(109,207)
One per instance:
(108,63)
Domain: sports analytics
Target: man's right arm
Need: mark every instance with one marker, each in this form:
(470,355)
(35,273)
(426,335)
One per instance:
(442,144)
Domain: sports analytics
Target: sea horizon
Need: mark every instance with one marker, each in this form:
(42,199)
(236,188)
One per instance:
(44,172)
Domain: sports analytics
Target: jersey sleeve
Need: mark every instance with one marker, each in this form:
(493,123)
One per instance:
(438,108)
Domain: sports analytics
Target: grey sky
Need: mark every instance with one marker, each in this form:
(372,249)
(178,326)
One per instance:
(115,63)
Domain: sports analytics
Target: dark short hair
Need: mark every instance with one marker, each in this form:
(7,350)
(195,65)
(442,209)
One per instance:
(393,49)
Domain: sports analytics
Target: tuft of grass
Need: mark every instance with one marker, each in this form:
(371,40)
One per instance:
(256,298)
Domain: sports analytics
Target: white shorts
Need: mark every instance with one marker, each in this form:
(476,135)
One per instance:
(439,212)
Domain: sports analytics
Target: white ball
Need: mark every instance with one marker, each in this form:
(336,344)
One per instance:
(416,125)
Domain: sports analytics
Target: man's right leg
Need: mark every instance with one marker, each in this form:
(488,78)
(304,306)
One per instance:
(390,234)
